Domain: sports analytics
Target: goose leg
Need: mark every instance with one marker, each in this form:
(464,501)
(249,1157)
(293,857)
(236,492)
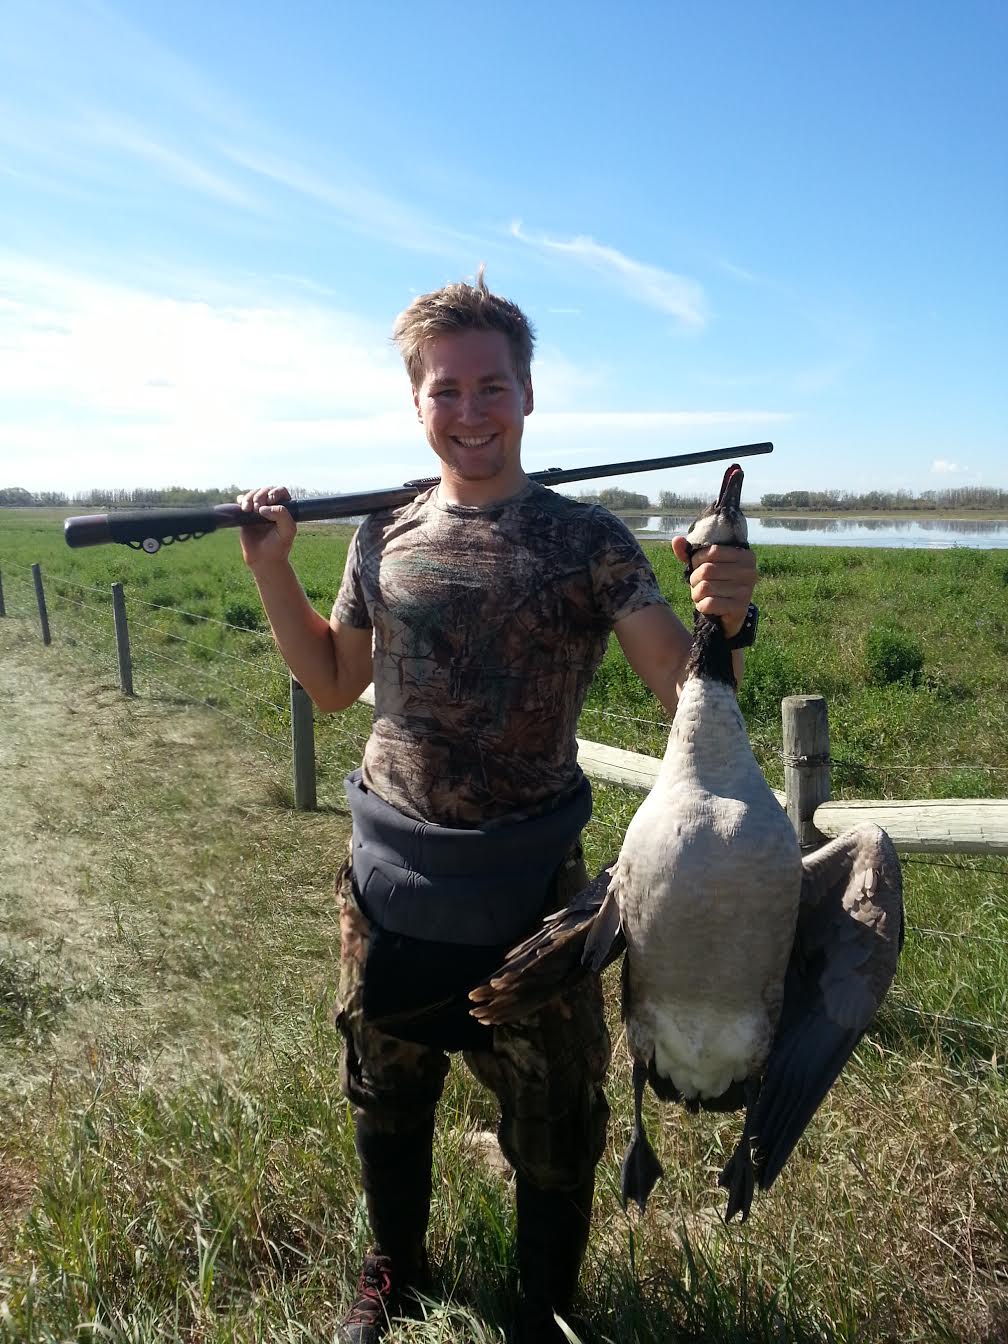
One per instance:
(738,1176)
(641,1168)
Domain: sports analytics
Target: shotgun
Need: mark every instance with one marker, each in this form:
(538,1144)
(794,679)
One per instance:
(150,529)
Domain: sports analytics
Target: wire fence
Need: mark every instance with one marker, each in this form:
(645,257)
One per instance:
(237,674)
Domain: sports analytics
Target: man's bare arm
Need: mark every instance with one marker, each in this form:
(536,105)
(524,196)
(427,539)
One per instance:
(332,661)
(656,644)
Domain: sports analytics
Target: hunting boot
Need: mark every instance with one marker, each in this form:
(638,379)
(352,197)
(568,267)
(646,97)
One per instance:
(396,1176)
(552,1237)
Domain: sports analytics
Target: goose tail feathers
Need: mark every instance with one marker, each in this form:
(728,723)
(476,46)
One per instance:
(577,941)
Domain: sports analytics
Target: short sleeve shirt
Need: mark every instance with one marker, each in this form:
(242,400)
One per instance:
(489,624)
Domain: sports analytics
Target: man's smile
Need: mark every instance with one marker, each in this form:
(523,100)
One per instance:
(474,443)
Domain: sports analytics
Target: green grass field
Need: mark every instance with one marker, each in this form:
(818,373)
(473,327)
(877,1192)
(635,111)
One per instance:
(175,1159)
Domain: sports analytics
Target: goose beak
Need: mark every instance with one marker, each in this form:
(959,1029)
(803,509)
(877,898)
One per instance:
(731,489)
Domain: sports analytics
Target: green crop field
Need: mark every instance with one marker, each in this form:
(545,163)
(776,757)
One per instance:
(176,1161)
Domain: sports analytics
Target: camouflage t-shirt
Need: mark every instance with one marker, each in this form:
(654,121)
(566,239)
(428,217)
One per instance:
(488,625)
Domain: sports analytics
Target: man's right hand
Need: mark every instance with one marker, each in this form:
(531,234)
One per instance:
(266,546)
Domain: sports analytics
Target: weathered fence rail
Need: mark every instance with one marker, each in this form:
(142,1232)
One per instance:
(927,826)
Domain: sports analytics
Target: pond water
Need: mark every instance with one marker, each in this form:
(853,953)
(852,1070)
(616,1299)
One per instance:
(931,533)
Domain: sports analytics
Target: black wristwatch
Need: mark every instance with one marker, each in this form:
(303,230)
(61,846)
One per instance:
(746,637)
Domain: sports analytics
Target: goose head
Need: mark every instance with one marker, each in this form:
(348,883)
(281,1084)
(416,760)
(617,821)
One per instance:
(723,524)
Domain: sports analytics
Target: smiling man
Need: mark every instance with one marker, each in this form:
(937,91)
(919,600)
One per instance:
(472,404)
(481,611)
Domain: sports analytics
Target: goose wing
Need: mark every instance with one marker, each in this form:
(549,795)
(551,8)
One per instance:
(848,938)
(582,938)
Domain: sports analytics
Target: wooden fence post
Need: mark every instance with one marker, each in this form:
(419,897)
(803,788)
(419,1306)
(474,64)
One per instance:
(806,763)
(122,639)
(303,743)
(40,599)
(3,609)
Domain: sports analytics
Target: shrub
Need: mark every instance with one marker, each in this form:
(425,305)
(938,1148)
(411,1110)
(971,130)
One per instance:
(770,675)
(244,616)
(892,655)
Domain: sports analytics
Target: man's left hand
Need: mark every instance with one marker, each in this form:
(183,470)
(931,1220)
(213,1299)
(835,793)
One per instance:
(721,582)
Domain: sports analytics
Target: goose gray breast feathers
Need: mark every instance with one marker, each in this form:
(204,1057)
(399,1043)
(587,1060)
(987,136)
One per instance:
(749,975)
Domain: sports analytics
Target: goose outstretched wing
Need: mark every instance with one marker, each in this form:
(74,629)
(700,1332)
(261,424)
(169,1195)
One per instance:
(848,938)
(580,939)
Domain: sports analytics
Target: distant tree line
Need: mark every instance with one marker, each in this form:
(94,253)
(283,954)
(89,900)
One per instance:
(619,501)
(175,496)
(888,501)
(812,501)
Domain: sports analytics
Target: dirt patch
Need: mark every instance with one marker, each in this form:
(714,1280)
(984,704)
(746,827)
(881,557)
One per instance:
(17,1186)
(156,905)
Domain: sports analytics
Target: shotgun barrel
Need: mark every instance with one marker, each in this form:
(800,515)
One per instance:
(150,529)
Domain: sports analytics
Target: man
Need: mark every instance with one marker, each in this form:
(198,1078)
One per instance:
(480,611)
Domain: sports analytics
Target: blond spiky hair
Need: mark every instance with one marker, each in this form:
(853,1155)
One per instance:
(462,307)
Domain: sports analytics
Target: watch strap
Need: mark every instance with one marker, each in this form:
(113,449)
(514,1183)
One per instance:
(746,637)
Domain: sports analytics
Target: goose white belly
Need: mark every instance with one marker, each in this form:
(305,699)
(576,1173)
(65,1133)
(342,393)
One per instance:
(708,881)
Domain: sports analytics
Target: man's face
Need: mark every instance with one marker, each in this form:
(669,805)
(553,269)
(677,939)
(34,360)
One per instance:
(472,406)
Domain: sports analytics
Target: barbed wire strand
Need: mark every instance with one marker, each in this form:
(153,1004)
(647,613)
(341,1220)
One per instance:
(947,1017)
(187,699)
(195,616)
(195,643)
(104,655)
(84,606)
(943,1066)
(56,581)
(973,863)
(897,768)
(990,938)
(95,628)
(84,587)
(930,768)
(208,672)
(616,716)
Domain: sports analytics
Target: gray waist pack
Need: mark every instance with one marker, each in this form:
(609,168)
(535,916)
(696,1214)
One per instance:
(479,886)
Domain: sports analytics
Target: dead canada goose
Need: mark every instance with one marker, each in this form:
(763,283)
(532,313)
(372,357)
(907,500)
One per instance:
(750,974)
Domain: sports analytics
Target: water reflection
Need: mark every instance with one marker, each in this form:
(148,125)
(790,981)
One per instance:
(814,531)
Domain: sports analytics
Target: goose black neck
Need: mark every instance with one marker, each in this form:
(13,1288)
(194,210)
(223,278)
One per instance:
(710,655)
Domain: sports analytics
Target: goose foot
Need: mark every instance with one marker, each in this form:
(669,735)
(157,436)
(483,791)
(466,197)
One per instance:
(641,1168)
(738,1175)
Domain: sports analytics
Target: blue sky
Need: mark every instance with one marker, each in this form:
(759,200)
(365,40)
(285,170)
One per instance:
(728,222)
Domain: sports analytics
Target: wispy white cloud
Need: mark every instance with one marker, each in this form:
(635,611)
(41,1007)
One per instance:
(738,272)
(941,467)
(105,132)
(131,101)
(347,195)
(676,295)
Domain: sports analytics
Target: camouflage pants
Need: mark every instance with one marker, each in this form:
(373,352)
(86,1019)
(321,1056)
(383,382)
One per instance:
(547,1073)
